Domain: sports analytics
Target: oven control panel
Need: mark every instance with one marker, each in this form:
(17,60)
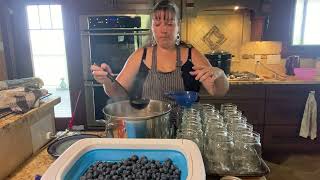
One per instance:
(114,22)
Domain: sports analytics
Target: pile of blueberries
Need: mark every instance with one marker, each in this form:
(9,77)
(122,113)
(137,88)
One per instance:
(133,168)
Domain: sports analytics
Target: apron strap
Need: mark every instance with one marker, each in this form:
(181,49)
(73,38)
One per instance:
(154,59)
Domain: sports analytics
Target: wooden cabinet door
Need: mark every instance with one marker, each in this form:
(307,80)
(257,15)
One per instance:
(284,110)
(285,103)
(285,138)
(113,6)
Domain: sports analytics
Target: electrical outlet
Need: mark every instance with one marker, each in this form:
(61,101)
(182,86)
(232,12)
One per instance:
(257,58)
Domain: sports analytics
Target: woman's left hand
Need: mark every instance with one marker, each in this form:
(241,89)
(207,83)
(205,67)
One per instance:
(204,73)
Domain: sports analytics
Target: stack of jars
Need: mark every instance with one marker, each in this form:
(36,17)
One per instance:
(225,138)
(191,127)
(218,142)
(246,150)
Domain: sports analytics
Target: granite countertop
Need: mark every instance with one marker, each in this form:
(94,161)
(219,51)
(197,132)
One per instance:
(45,104)
(288,80)
(40,162)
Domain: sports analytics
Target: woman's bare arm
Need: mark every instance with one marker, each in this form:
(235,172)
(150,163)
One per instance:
(213,79)
(125,77)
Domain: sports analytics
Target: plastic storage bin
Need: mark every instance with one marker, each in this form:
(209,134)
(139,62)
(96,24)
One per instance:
(76,159)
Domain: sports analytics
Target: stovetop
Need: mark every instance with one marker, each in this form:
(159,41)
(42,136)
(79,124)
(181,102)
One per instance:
(244,76)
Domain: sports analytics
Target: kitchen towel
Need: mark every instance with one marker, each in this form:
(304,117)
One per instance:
(309,121)
(21,99)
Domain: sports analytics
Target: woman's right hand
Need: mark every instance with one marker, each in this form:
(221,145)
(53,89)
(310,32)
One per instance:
(99,73)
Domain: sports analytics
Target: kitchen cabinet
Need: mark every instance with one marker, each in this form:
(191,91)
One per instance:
(113,6)
(283,114)
(23,135)
(275,110)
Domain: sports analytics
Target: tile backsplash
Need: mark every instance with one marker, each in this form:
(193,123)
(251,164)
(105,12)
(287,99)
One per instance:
(235,27)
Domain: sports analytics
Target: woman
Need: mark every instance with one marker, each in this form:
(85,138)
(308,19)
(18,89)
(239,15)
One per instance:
(165,66)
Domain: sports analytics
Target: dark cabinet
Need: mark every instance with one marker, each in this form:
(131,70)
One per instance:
(283,114)
(113,6)
(276,111)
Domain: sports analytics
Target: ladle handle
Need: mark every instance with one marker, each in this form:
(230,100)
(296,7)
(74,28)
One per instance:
(112,78)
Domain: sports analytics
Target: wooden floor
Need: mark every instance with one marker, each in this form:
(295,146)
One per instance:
(294,167)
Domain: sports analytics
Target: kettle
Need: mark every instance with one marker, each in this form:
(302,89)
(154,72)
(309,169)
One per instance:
(291,63)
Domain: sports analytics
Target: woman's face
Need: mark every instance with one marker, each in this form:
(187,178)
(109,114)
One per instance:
(165,28)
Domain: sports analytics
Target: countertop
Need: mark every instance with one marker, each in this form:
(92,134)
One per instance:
(14,118)
(288,80)
(40,162)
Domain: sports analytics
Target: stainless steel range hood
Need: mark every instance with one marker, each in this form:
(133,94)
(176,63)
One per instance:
(213,5)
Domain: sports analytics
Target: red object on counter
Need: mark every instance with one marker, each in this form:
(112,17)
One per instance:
(73,113)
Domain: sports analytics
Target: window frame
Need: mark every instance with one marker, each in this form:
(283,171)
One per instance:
(306,51)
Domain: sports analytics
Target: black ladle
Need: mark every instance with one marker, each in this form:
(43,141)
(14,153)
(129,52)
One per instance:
(137,103)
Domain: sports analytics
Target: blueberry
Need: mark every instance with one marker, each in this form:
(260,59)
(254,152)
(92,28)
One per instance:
(134,158)
(100,177)
(177,171)
(114,167)
(143,157)
(108,164)
(95,174)
(130,163)
(157,162)
(112,172)
(144,161)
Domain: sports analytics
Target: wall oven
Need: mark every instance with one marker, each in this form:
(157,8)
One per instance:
(108,39)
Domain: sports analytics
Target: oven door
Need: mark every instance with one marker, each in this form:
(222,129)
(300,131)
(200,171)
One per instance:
(113,47)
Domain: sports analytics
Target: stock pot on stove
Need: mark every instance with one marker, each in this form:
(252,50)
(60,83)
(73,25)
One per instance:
(220,59)
(124,121)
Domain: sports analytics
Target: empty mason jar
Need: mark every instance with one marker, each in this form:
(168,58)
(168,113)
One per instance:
(193,135)
(219,149)
(228,108)
(249,154)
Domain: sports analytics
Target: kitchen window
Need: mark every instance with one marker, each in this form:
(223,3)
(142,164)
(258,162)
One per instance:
(48,52)
(306,24)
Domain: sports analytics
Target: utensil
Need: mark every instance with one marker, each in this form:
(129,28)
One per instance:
(138,103)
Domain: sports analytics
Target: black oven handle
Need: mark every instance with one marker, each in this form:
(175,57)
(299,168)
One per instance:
(114,34)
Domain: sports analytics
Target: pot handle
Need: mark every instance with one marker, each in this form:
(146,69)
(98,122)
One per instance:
(109,127)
